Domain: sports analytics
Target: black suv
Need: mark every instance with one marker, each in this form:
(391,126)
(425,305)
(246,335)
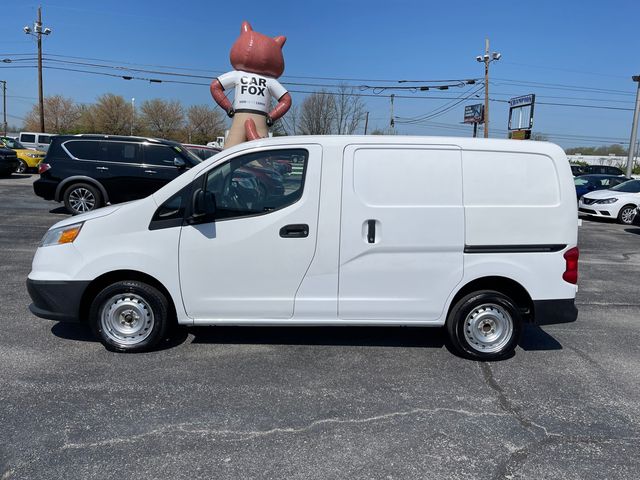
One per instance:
(89,171)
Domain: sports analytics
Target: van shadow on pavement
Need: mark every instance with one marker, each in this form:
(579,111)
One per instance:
(533,337)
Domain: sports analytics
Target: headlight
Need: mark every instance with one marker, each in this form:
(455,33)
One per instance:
(58,236)
(607,200)
(33,155)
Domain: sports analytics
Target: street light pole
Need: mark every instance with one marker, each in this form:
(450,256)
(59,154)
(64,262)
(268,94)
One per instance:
(37,32)
(634,128)
(487,59)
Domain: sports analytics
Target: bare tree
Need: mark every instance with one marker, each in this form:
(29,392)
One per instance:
(162,118)
(204,124)
(349,111)
(317,114)
(60,115)
(289,124)
(111,114)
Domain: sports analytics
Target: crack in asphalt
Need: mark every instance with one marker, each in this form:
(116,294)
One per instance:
(516,458)
(242,435)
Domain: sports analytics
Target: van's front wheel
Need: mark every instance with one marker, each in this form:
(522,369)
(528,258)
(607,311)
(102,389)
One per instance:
(484,325)
(129,316)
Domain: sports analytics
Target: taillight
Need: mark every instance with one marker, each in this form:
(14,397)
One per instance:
(43,167)
(571,271)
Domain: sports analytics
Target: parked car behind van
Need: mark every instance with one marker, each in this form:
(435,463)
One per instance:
(591,183)
(616,203)
(475,235)
(35,140)
(88,171)
(27,159)
(602,170)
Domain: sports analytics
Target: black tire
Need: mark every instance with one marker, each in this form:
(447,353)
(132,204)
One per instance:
(22,167)
(626,214)
(149,311)
(81,198)
(476,319)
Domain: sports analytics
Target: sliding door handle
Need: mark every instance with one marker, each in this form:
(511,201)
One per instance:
(298,230)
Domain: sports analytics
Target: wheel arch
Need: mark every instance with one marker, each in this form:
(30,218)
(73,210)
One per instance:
(505,285)
(106,279)
(62,186)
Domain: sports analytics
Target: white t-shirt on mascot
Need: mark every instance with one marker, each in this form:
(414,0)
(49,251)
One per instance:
(253,92)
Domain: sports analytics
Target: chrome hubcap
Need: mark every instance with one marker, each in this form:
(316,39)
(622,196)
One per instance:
(488,328)
(82,200)
(22,167)
(126,319)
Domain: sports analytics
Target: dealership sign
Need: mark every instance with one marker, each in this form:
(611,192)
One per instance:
(522,101)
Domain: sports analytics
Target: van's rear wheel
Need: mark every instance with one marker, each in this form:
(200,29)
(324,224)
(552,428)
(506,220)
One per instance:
(484,325)
(130,316)
(82,198)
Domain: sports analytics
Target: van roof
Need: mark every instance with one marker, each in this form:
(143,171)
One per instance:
(482,144)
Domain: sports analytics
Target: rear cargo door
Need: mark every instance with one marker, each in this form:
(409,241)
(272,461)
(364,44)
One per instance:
(402,231)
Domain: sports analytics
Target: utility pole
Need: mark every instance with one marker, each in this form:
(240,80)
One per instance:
(392,123)
(634,128)
(366,123)
(487,59)
(37,32)
(4,107)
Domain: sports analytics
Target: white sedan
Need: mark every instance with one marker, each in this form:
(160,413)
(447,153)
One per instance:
(618,202)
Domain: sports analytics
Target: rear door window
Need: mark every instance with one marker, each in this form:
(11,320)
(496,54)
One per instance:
(84,149)
(123,152)
(46,139)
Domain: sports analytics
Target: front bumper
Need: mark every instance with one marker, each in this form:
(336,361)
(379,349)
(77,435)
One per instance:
(56,300)
(550,312)
(602,210)
(9,166)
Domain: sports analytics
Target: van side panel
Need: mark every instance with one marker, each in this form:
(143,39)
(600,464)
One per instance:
(517,198)
(402,231)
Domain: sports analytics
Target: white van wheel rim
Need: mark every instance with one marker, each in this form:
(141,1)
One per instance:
(126,319)
(488,328)
(82,200)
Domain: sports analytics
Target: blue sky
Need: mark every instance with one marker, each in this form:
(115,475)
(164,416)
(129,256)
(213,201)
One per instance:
(579,52)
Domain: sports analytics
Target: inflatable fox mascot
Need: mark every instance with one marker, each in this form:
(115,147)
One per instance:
(258,62)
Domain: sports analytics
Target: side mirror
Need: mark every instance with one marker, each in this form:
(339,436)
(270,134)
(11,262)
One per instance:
(203,207)
(179,163)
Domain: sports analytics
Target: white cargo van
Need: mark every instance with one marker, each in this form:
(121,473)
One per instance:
(35,140)
(475,235)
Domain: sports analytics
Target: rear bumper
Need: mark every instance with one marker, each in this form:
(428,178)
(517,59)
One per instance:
(45,188)
(549,312)
(56,300)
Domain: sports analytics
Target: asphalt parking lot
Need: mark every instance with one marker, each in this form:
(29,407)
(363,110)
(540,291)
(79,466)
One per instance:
(325,403)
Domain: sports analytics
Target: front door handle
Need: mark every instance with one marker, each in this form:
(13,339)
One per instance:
(298,230)
(151,172)
(102,168)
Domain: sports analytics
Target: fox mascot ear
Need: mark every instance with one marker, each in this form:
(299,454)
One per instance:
(246,27)
(280,40)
